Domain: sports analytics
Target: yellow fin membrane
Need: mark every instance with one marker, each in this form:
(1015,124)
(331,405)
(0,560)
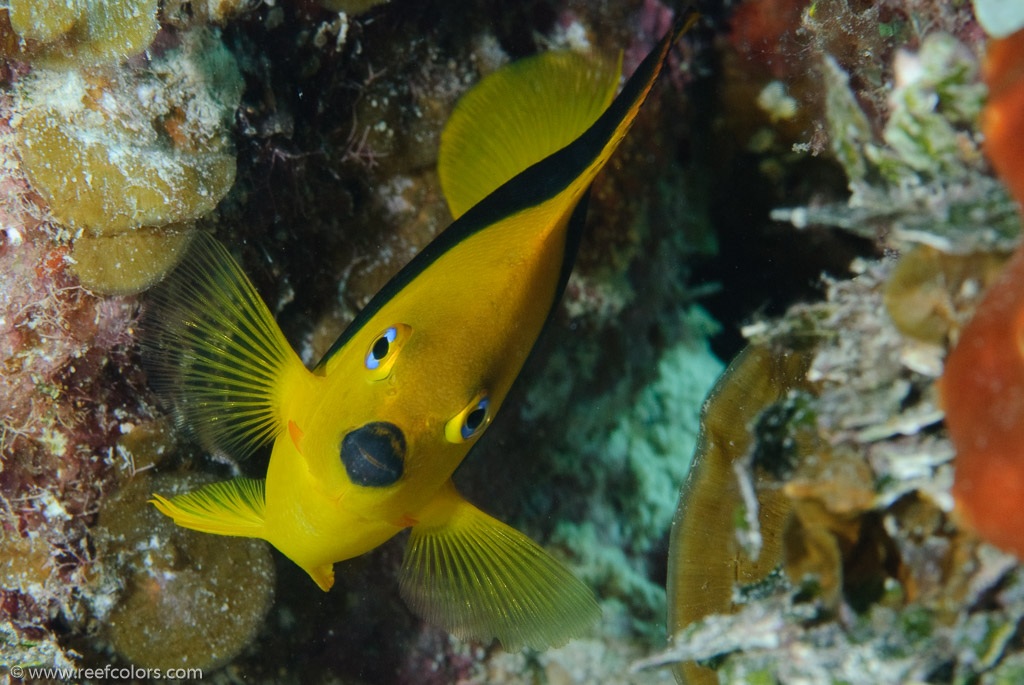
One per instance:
(234,507)
(516,117)
(213,349)
(478,578)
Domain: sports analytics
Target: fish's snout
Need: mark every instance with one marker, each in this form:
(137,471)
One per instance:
(374,454)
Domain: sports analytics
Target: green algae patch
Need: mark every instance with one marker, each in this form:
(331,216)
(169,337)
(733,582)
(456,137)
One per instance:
(87,32)
(190,600)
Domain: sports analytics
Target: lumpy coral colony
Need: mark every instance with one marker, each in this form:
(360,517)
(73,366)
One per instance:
(110,156)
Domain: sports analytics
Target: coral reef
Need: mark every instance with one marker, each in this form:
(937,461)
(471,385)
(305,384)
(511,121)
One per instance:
(925,179)
(832,501)
(114,151)
(93,149)
(790,138)
(874,567)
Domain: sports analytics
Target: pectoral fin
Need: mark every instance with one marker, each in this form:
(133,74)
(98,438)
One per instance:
(234,507)
(213,349)
(479,578)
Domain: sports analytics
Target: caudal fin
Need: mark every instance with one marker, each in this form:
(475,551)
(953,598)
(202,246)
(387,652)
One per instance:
(516,117)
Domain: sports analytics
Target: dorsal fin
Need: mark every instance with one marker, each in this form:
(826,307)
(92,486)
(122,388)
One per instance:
(517,116)
(212,349)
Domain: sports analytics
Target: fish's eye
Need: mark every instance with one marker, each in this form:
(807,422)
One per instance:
(384,350)
(470,421)
(380,348)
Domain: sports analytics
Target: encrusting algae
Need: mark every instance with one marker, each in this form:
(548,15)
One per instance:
(983,382)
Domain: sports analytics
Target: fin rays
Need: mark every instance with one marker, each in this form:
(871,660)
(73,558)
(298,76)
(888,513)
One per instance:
(214,350)
(234,507)
(479,578)
(517,116)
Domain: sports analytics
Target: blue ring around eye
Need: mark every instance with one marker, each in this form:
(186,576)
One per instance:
(373,359)
(474,419)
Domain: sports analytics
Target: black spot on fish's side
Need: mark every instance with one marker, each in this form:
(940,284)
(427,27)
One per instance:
(374,454)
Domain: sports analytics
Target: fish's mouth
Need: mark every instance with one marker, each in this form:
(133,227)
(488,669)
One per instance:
(374,454)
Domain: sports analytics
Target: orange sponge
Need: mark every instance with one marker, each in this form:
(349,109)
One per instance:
(983,395)
(1003,120)
(983,384)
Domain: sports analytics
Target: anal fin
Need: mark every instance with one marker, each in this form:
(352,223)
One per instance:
(234,507)
(479,578)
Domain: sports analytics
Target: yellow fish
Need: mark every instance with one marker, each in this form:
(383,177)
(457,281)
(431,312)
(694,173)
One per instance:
(365,444)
